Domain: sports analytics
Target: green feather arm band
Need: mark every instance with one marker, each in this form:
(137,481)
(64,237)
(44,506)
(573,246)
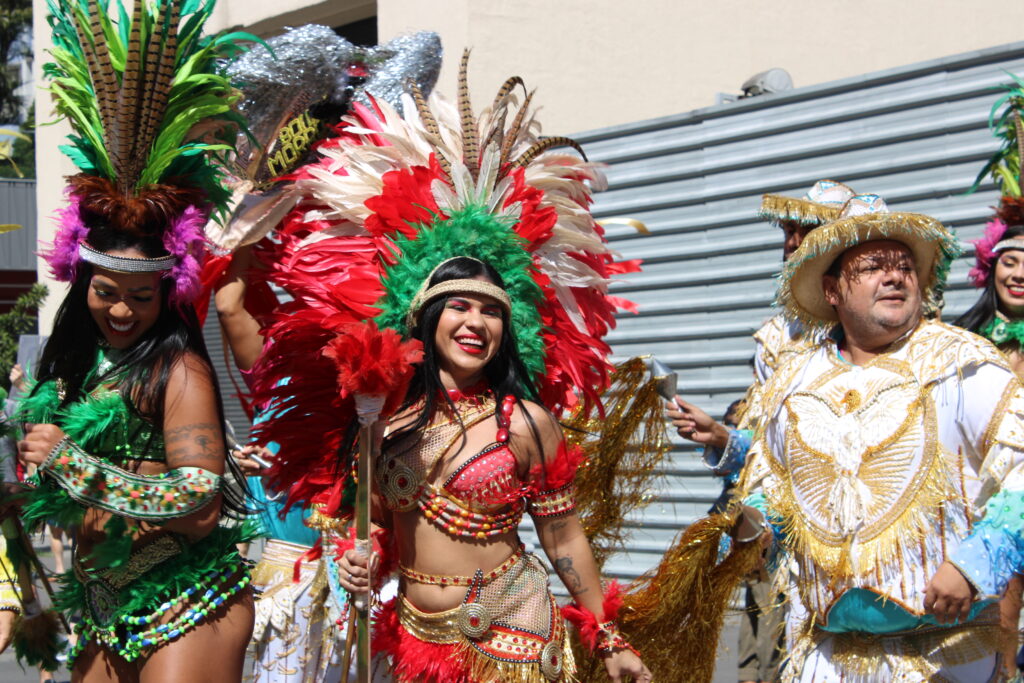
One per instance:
(95,483)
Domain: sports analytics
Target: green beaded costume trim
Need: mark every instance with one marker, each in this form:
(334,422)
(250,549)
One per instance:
(192,584)
(1001,330)
(95,483)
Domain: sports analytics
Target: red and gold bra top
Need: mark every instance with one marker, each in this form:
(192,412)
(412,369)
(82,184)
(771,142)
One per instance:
(485,495)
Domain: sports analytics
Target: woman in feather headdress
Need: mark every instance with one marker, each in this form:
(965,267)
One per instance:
(126,414)
(998,314)
(468,236)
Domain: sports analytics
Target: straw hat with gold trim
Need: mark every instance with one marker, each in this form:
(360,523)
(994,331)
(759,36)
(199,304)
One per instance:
(864,218)
(820,205)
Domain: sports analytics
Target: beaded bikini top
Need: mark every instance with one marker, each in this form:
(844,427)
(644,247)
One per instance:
(482,497)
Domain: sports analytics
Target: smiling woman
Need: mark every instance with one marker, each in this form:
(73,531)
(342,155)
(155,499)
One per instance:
(124,305)
(126,419)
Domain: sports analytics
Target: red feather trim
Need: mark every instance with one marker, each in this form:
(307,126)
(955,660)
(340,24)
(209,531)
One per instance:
(414,660)
(373,362)
(559,471)
(586,622)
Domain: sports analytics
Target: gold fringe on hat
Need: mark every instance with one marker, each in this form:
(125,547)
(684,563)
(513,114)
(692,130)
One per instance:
(776,207)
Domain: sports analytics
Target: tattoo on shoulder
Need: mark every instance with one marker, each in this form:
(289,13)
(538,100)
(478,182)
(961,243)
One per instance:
(572,579)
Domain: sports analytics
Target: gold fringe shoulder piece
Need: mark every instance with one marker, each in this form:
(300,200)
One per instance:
(673,614)
(622,451)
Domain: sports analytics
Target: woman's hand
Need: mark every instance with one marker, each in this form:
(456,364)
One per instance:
(38,443)
(7,618)
(353,574)
(250,467)
(694,424)
(625,663)
(18,379)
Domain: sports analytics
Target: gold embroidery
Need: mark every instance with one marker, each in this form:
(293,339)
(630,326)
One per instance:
(921,653)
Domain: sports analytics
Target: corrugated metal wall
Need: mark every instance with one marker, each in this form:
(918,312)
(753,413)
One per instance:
(916,135)
(227,376)
(18,206)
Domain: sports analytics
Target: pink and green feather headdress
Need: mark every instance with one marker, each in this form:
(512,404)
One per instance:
(151,113)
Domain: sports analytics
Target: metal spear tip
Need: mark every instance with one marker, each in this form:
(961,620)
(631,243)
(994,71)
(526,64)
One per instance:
(665,376)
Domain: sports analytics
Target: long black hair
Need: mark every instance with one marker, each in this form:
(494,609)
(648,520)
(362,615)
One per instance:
(506,374)
(141,372)
(984,309)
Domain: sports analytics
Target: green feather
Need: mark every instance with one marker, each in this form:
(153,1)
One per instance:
(197,91)
(475,232)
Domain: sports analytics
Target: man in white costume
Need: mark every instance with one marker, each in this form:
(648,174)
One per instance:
(889,458)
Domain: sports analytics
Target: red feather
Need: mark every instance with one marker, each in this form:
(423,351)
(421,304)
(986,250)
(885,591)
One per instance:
(414,659)
(373,362)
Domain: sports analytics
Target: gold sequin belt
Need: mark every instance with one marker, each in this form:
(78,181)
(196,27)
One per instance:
(277,563)
(479,579)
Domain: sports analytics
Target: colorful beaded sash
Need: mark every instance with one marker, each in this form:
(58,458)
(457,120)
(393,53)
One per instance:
(162,591)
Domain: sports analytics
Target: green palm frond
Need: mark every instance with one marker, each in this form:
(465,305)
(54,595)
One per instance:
(136,87)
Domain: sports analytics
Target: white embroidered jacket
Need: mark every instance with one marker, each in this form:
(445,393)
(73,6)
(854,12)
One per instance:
(876,473)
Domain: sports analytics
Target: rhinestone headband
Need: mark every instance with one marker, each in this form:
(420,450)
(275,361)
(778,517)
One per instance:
(1012,243)
(125,264)
(465,286)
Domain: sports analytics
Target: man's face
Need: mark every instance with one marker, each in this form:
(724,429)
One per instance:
(794,234)
(876,295)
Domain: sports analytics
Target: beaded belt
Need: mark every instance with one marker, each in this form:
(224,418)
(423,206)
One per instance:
(445,580)
(103,585)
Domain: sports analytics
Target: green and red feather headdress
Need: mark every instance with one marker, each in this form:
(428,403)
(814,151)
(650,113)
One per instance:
(391,198)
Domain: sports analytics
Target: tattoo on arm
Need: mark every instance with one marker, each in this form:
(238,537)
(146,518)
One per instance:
(188,431)
(572,579)
(192,442)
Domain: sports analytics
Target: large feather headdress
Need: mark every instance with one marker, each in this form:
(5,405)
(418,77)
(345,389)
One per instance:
(151,114)
(1005,168)
(392,197)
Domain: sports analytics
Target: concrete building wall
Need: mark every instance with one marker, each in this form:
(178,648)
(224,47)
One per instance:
(598,63)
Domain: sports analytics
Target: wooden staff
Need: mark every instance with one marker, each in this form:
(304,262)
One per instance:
(368,408)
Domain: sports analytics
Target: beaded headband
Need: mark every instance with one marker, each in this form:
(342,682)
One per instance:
(1012,243)
(126,264)
(466,285)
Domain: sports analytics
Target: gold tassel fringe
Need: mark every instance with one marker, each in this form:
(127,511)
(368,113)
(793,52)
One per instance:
(622,452)
(673,614)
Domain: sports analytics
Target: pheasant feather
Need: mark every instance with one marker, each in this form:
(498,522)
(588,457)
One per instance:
(505,89)
(470,139)
(512,134)
(160,71)
(128,107)
(430,125)
(544,145)
(134,86)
